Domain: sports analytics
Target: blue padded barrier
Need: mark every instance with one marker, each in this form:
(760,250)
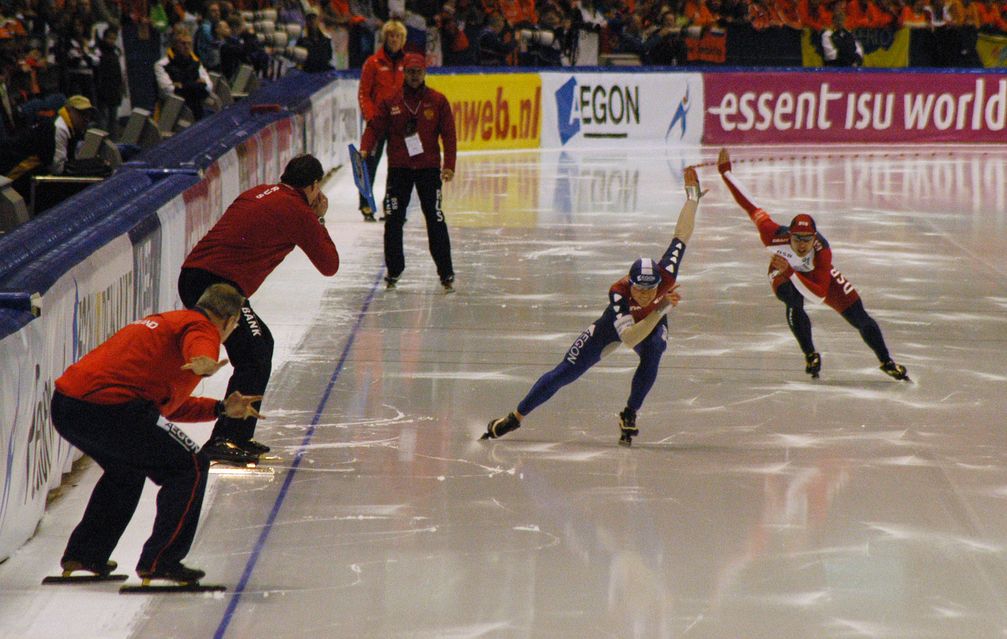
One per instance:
(46,268)
(67,219)
(11,321)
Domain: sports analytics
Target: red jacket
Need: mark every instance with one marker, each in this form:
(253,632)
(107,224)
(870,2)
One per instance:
(432,115)
(380,79)
(144,361)
(257,231)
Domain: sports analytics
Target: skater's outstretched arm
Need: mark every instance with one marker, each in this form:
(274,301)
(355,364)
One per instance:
(740,193)
(686,223)
(687,216)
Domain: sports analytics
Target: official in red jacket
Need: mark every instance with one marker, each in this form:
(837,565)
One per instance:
(413,121)
(380,79)
(114,404)
(256,232)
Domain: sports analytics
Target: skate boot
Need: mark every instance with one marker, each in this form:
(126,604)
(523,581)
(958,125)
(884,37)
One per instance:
(100,569)
(449,284)
(253,447)
(895,371)
(813,364)
(225,451)
(390,282)
(627,427)
(178,573)
(368,214)
(502,426)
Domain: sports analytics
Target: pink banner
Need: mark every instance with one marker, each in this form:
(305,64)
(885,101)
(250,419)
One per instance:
(809,108)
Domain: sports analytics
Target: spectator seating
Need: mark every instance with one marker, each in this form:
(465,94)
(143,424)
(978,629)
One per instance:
(141,130)
(13,210)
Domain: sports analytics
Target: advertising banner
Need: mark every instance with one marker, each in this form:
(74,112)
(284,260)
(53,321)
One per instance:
(605,109)
(494,111)
(814,108)
(84,307)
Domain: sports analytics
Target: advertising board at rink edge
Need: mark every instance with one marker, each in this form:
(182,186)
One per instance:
(810,108)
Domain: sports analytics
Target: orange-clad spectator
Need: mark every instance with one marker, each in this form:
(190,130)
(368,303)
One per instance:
(380,78)
(814,14)
(867,14)
(759,15)
(787,13)
(698,14)
(990,15)
(914,16)
(517,11)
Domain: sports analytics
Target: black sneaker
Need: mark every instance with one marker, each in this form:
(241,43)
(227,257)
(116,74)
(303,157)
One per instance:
(449,284)
(896,371)
(255,448)
(390,282)
(502,426)
(102,569)
(627,426)
(228,452)
(813,364)
(178,573)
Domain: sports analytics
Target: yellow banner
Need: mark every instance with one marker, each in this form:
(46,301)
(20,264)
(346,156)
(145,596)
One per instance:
(494,111)
(992,50)
(878,55)
(495,190)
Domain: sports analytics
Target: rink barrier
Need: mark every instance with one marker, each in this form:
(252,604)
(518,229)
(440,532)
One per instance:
(112,254)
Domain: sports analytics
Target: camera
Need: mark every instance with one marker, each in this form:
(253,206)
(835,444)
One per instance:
(536,37)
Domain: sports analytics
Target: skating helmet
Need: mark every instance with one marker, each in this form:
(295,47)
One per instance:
(644,273)
(803,224)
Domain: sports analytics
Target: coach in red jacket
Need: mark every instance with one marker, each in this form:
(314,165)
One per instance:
(413,121)
(112,405)
(253,236)
(380,79)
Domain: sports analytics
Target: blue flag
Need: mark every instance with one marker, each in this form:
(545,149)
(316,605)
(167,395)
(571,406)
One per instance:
(361,178)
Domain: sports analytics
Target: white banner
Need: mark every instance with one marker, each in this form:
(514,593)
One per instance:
(604,109)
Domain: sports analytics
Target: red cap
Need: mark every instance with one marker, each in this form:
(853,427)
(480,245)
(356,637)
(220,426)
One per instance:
(414,61)
(803,224)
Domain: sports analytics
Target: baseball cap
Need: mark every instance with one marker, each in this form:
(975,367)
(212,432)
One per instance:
(414,61)
(803,224)
(80,103)
(644,273)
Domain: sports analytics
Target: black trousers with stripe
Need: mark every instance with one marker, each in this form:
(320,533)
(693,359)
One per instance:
(249,349)
(132,442)
(397,195)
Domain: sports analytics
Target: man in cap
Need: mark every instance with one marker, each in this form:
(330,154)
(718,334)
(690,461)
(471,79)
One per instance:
(635,316)
(251,238)
(46,145)
(801,268)
(412,121)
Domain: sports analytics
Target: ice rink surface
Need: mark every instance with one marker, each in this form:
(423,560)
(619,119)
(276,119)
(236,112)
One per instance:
(756,503)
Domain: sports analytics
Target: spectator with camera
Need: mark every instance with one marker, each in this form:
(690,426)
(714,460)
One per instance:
(496,43)
(454,41)
(545,45)
(665,45)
